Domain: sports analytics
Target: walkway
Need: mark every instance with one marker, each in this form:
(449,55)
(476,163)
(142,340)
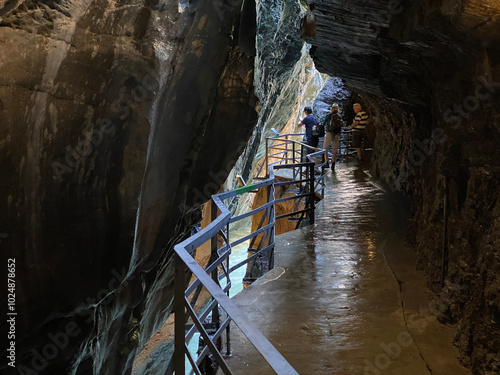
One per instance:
(344,297)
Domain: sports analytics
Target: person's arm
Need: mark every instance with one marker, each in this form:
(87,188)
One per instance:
(300,123)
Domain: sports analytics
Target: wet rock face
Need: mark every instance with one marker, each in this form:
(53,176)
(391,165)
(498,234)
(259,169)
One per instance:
(334,91)
(113,117)
(278,63)
(429,75)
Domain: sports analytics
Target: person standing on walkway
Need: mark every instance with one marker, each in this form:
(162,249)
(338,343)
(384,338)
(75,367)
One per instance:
(358,129)
(333,126)
(309,121)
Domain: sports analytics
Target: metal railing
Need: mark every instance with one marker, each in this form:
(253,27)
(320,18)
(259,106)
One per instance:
(282,150)
(294,150)
(215,319)
(346,152)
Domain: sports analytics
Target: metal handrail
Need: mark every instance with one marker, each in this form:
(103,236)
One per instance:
(209,278)
(185,261)
(297,147)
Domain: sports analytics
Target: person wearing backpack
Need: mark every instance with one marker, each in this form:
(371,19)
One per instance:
(311,124)
(333,126)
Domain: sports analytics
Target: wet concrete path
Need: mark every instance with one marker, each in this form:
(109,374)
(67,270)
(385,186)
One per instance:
(344,297)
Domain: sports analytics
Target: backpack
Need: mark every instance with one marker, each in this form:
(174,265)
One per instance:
(318,129)
(335,124)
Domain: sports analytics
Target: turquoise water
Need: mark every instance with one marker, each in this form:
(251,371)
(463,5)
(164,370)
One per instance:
(238,254)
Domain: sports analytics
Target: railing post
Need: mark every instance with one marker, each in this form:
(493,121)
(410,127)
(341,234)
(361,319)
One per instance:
(302,185)
(323,177)
(180,316)
(271,219)
(228,328)
(287,151)
(311,193)
(267,156)
(213,257)
(293,161)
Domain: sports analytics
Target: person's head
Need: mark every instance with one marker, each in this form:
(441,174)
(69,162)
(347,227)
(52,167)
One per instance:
(335,108)
(356,107)
(308,110)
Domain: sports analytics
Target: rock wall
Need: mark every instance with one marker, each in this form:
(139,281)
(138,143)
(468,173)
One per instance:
(113,117)
(119,119)
(334,91)
(278,66)
(429,74)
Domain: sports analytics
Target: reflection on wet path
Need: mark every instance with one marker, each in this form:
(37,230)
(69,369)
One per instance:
(333,303)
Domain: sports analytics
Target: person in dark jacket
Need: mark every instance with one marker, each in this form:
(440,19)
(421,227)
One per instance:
(333,126)
(309,121)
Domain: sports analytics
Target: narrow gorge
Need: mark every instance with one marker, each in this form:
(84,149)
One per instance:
(119,119)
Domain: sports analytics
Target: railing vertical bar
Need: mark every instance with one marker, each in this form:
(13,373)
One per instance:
(267,162)
(323,184)
(311,193)
(271,219)
(180,316)
(302,184)
(228,328)
(213,257)
(266,234)
(252,242)
(287,149)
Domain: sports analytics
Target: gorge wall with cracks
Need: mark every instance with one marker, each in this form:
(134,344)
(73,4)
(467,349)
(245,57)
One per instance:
(428,74)
(112,119)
